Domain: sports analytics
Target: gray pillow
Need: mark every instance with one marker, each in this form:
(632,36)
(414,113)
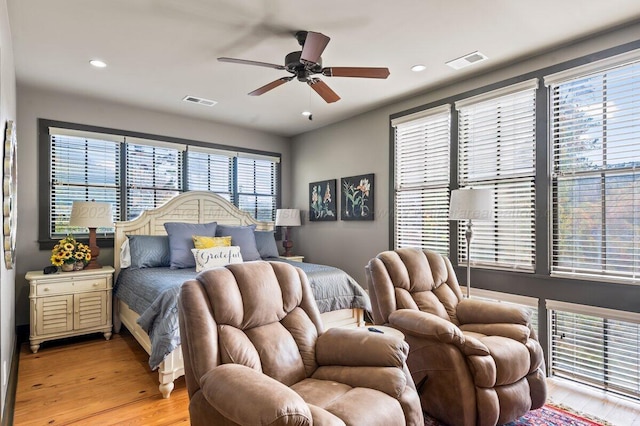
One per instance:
(243,237)
(181,241)
(266,243)
(149,251)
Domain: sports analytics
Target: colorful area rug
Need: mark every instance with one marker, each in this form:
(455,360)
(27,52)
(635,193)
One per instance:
(545,416)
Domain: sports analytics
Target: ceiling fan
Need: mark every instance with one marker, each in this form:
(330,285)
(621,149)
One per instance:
(307,62)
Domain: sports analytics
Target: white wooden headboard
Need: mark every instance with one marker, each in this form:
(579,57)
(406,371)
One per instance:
(189,207)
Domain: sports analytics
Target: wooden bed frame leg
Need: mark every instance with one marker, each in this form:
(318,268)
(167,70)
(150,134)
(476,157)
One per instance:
(117,322)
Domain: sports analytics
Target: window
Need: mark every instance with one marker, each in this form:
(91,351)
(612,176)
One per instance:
(210,170)
(596,346)
(134,174)
(496,150)
(83,168)
(153,174)
(596,170)
(256,186)
(421,196)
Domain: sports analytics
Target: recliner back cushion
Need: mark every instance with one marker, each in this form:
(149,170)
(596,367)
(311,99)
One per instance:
(260,323)
(425,277)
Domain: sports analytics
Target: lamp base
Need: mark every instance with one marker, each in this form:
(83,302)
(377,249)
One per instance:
(288,245)
(95,251)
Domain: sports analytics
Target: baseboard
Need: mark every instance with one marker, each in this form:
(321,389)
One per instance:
(12,384)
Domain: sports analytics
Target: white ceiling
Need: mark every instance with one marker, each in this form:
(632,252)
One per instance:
(159,51)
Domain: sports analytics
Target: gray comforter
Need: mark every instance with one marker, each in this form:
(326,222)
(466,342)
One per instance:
(153,294)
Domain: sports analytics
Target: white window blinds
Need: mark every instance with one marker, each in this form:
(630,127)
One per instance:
(596,173)
(210,170)
(497,140)
(257,180)
(83,168)
(153,174)
(421,196)
(135,174)
(596,346)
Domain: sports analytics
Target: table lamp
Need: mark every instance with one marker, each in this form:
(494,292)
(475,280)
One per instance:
(287,218)
(470,204)
(92,215)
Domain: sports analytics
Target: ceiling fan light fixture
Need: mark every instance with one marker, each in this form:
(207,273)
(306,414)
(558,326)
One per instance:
(418,68)
(98,63)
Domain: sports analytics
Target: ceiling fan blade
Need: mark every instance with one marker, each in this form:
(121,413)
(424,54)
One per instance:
(323,90)
(356,72)
(247,62)
(313,47)
(270,86)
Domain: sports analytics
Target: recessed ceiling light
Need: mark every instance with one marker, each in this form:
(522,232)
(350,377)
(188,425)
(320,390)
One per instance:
(466,60)
(306,113)
(418,68)
(98,63)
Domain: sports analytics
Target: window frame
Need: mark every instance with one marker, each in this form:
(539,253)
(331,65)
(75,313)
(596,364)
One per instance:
(47,242)
(505,182)
(424,120)
(599,72)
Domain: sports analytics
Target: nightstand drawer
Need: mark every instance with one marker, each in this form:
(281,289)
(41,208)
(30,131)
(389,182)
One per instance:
(71,286)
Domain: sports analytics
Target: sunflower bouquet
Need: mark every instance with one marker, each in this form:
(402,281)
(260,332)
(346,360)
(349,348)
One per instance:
(69,251)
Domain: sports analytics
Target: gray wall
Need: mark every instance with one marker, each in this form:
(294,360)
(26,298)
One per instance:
(34,103)
(361,145)
(7,276)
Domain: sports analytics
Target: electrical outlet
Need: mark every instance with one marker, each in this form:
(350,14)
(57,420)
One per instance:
(4,373)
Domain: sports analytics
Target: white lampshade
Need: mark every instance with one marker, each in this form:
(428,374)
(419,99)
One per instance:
(287,217)
(90,214)
(475,204)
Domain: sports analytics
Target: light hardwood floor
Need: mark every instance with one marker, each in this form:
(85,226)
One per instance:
(90,381)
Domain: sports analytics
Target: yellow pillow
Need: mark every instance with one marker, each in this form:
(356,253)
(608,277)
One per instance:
(201,242)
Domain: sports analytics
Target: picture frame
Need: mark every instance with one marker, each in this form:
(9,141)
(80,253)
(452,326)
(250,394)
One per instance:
(357,197)
(9,184)
(323,201)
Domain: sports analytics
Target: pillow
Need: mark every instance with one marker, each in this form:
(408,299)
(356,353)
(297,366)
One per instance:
(149,251)
(125,255)
(216,256)
(181,242)
(266,243)
(202,242)
(243,237)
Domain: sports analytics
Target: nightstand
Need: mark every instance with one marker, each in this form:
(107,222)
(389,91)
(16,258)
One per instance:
(68,304)
(293,258)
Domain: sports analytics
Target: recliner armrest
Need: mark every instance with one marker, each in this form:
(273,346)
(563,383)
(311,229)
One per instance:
(424,324)
(230,387)
(359,347)
(432,327)
(517,332)
(473,311)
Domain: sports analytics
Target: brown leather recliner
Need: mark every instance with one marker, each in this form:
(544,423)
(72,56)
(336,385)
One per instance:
(474,362)
(255,354)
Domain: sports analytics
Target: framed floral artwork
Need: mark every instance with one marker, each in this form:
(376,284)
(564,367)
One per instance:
(322,201)
(357,197)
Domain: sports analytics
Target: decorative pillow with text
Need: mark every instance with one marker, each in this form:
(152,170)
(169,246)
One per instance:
(216,256)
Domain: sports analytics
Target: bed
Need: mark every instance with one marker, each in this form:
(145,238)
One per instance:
(146,298)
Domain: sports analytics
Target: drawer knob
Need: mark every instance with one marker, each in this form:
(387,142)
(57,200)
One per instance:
(96,284)
(46,289)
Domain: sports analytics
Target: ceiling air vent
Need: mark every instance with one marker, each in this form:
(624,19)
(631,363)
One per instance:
(466,60)
(197,100)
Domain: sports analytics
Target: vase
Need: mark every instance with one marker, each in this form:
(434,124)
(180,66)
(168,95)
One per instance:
(78,266)
(67,267)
